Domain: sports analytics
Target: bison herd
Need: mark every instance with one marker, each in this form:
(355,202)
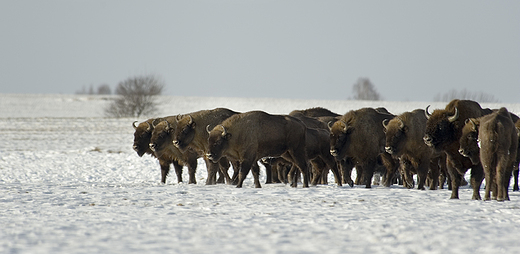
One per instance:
(437,147)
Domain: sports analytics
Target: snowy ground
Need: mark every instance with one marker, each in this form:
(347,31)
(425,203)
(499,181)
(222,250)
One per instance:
(70,183)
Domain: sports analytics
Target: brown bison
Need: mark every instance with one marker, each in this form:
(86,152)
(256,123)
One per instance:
(248,137)
(404,141)
(515,168)
(358,139)
(443,132)
(493,141)
(314,112)
(142,136)
(191,134)
(161,145)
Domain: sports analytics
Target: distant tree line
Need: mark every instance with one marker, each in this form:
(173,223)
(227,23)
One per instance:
(102,89)
(464,94)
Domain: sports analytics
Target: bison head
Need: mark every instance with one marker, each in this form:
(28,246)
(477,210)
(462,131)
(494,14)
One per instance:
(184,133)
(440,128)
(218,142)
(142,135)
(161,137)
(469,143)
(339,139)
(395,131)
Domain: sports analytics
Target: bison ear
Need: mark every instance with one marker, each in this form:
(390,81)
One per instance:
(349,129)
(227,136)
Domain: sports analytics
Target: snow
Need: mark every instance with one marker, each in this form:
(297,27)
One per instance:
(71,183)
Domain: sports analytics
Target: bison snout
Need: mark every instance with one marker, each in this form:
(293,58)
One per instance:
(152,146)
(389,149)
(176,143)
(211,157)
(136,148)
(428,140)
(463,153)
(334,152)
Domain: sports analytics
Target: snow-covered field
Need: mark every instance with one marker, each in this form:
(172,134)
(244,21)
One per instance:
(71,183)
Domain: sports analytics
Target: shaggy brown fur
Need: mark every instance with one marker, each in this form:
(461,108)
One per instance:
(443,132)
(404,141)
(250,136)
(497,139)
(191,133)
(358,137)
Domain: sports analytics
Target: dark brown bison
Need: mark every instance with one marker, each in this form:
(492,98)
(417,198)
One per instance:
(318,152)
(314,112)
(191,134)
(493,141)
(404,141)
(358,139)
(161,145)
(443,132)
(142,136)
(248,137)
(515,167)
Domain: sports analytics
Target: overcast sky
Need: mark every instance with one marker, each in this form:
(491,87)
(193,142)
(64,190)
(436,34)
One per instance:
(410,50)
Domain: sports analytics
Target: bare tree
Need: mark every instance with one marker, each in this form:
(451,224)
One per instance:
(363,89)
(104,89)
(137,97)
(464,94)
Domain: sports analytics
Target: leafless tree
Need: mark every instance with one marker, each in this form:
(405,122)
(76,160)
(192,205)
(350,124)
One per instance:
(464,94)
(363,89)
(104,89)
(137,96)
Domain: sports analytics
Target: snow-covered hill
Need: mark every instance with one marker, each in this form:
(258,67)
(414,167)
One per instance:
(71,183)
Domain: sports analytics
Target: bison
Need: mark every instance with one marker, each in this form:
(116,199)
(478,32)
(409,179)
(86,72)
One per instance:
(142,136)
(404,141)
(493,141)
(161,145)
(443,132)
(191,134)
(248,137)
(358,138)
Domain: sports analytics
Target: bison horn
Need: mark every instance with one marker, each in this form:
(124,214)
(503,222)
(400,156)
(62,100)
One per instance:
(385,123)
(153,123)
(330,125)
(207,129)
(133,124)
(224,132)
(149,127)
(455,116)
(426,113)
(401,123)
(191,119)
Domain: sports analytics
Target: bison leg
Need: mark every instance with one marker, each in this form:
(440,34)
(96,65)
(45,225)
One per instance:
(477,176)
(192,169)
(245,167)
(368,168)
(433,173)
(223,171)
(317,168)
(178,170)
(515,177)
(236,171)
(212,172)
(299,158)
(391,166)
(331,163)
(346,171)
(165,170)
(256,175)
(268,172)
(422,174)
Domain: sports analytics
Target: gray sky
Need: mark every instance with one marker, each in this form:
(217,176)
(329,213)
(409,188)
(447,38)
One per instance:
(410,50)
